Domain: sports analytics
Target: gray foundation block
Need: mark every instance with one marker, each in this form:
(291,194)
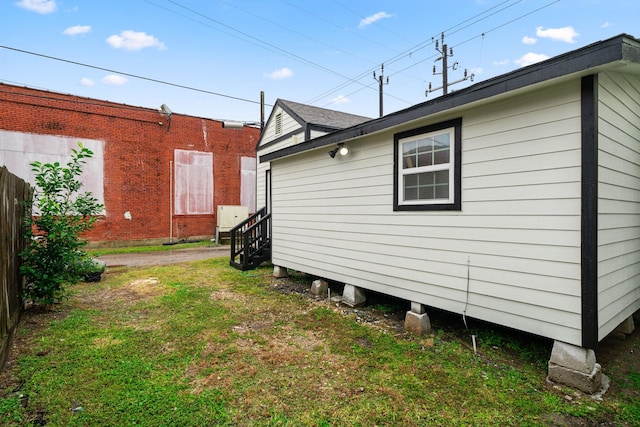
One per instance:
(418,324)
(280,272)
(626,327)
(319,287)
(588,383)
(353,296)
(573,357)
(575,367)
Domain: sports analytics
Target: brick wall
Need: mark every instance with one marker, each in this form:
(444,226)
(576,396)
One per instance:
(138,152)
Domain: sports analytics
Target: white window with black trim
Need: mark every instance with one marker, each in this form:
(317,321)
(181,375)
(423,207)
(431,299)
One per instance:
(427,167)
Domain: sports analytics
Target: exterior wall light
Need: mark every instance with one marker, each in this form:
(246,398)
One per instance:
(340,149)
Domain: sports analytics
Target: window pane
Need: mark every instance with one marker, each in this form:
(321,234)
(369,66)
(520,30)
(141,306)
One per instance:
(425,152)
(442,177)
(442,191)
(409,150)
(411,180)
(441,157)
(426,193)
(409,162)
(411,194)
(426,186)
(441,141)
(425,159)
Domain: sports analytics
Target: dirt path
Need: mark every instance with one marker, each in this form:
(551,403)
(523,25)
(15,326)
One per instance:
(165,257)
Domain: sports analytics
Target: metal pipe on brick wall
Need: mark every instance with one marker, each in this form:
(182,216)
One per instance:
(171,201)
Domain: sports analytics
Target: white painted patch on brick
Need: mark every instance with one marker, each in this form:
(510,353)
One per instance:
(18,150)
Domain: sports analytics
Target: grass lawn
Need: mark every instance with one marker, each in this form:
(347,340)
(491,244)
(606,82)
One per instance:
(202,344)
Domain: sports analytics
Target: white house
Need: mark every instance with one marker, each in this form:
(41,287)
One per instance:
(515,200)
(291,123)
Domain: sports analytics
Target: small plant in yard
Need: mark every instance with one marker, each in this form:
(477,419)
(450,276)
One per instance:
(53,257)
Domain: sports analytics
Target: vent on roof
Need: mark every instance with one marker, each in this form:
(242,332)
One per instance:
(278,123)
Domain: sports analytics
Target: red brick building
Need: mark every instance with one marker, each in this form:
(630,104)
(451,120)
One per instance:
(160,175)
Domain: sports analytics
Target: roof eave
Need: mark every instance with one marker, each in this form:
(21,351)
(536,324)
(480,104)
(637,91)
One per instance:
(596,57)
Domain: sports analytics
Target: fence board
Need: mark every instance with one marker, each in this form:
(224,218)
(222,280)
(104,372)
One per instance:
(13,192)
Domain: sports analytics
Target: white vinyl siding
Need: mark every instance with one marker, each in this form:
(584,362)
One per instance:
(287,125)
(619,200)
(517,237)
(262,167)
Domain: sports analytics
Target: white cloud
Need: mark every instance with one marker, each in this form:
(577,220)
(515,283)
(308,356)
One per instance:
(282,73)
(340,99)
(113,79)
(373,18)
(530,58)
(87,82)
(501,63)
(40,6)
(529,40)
(134,40)
(564,34)
(77,29)
(607,24)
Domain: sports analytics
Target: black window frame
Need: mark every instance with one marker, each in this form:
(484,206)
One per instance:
(456,204)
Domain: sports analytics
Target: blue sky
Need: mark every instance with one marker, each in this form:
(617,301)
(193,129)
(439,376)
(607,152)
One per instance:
(321,52)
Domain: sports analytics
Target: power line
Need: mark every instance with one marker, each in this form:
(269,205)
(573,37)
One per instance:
(253,40)
(364,17)
(422,45)
(412,50)
(349,81)
(375,42)
(286,28)
(131,75)
(298,57)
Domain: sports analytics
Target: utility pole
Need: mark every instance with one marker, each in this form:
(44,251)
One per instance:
(444,54)
(261,112)
(380,80)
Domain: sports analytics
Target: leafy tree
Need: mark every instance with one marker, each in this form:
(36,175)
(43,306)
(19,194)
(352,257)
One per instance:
(53,257)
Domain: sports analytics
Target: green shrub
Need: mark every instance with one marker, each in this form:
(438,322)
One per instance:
(58,214)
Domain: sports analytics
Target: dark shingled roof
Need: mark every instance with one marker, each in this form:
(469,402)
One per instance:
(321,116)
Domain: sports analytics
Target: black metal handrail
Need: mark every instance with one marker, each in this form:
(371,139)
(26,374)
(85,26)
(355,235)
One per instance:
(250,241)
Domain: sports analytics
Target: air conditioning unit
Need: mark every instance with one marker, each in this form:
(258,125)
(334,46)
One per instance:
(229,217)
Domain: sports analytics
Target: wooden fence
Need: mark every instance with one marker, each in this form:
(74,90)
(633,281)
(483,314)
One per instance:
(13,192)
